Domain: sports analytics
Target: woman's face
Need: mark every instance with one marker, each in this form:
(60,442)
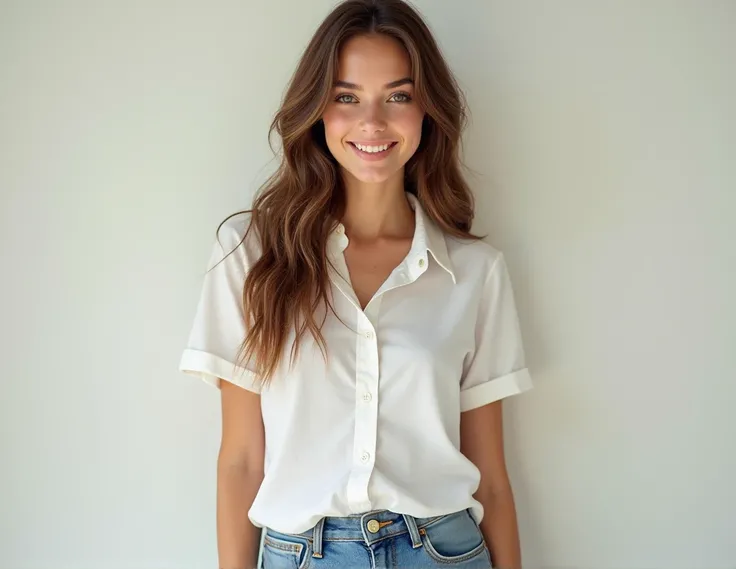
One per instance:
(372,105)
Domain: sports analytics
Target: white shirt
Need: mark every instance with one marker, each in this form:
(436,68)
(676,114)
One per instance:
(378,425)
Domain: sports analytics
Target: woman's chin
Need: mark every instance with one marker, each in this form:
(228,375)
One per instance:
(373,175)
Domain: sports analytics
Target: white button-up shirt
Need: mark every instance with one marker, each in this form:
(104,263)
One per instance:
(377,425)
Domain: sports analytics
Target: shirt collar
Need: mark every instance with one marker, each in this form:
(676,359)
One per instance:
(427,237)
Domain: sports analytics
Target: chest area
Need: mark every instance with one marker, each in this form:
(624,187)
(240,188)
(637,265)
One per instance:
(370,266)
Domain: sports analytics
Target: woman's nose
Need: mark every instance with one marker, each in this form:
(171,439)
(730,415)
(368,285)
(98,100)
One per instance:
(373,119)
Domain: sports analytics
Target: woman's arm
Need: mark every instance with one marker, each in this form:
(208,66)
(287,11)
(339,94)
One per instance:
(481,441)
(239,476)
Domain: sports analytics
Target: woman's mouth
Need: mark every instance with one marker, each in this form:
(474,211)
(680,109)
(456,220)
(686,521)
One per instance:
(372,153)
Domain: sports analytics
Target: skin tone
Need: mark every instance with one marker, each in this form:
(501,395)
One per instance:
(372,103)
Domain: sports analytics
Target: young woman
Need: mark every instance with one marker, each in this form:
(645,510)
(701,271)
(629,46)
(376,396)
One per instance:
(362,338)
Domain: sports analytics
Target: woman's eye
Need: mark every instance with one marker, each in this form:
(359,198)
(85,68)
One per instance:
(403,97)
(345,98)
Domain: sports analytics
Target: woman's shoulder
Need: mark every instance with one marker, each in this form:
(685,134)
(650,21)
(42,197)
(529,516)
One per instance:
(475,253)
(238,233)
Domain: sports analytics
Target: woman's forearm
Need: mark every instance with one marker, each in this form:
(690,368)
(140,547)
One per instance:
(237,538)
(500,529)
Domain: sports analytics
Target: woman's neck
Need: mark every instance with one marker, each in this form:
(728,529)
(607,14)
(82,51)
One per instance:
(374,211)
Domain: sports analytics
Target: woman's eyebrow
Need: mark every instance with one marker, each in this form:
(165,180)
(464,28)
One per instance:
(392,85)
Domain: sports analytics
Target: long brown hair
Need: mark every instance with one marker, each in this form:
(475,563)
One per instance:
(296,209)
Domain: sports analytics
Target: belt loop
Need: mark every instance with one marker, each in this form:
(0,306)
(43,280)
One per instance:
(317,539)
(411,524)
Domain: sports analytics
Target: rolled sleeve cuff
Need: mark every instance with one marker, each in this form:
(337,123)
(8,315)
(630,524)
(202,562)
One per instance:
(212,368)
(496,389)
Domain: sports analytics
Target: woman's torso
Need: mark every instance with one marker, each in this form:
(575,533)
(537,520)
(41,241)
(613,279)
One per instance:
(377,425)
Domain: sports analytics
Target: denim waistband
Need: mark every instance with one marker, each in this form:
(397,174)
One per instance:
(369,528)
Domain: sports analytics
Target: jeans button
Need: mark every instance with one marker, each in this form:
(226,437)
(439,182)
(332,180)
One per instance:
(373,526)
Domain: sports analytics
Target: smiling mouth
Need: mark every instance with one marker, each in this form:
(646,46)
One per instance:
(368,155)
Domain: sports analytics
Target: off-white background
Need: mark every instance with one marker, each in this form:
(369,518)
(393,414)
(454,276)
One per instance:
(603,142)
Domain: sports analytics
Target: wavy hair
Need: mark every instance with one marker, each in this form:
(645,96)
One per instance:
(297,208)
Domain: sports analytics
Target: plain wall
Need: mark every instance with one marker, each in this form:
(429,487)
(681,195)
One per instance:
(603,154)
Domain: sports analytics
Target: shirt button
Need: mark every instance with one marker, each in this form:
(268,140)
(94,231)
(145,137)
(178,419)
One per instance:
(367,397)
(369,335)
(365,457)
(421,262)
(340,229)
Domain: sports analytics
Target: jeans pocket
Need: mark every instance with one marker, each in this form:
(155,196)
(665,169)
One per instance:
(454,539)
(281,551)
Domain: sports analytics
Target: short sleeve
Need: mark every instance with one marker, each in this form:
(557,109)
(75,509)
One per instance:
(218,329)
(497,367)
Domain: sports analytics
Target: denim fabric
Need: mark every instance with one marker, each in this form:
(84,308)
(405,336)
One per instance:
(380,540)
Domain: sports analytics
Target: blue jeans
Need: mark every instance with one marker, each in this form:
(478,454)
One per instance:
(381,540)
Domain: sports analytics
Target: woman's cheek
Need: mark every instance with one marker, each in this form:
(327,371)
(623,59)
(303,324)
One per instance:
(409,124)
(337,124)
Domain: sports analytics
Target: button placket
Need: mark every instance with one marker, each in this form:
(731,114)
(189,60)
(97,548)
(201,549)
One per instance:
(366,408)
(367,368)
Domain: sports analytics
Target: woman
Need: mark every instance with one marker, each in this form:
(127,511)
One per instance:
(362,338)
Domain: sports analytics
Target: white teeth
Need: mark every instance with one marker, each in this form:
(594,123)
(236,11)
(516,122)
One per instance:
(372,149)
